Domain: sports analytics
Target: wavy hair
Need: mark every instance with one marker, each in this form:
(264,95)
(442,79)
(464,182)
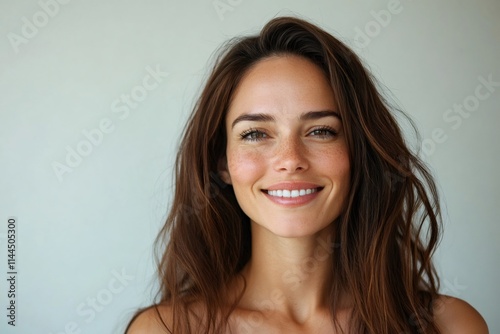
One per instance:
(386,234)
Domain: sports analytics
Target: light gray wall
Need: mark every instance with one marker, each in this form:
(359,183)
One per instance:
(84,237)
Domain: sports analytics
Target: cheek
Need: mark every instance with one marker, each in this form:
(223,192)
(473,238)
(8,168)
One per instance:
(343,175)
(344,167)
(336,164)
(244,166)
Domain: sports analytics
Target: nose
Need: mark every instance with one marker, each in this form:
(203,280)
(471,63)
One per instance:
(290,155)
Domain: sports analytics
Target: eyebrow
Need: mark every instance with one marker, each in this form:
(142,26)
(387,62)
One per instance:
(310,115)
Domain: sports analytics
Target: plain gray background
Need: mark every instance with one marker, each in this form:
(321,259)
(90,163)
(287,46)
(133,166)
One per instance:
(85,231)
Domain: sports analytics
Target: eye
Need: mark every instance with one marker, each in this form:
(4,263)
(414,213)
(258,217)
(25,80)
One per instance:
(253,135)
(324,132)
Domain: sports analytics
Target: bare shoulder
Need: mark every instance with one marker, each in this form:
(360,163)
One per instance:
(456,316)
(151,321)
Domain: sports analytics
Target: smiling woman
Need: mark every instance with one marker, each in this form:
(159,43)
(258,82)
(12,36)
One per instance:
(298,207)
(283,139)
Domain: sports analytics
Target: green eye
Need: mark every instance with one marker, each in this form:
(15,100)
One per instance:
(324,132)
(253,135)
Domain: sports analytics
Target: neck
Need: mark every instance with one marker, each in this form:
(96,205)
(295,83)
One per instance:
(290,275)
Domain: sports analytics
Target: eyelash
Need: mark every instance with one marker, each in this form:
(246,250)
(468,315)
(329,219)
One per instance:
(330,132)
(257,135)
(248,134)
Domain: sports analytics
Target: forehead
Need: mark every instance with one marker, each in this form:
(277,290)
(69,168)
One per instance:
(282,84)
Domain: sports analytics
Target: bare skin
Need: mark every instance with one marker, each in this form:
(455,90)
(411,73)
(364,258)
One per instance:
(458,317)
(290,269)
(286,286)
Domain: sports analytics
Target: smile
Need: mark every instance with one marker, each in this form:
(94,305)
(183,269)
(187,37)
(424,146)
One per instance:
(291,193)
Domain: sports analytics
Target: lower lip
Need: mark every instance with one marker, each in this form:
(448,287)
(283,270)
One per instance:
(293,201)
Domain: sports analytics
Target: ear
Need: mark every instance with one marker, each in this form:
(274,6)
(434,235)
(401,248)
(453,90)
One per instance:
(223,170)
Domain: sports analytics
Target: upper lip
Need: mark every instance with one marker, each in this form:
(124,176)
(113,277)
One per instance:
(293,186)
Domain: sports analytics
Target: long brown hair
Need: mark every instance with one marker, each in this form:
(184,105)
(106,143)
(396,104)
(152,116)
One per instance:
(386,234)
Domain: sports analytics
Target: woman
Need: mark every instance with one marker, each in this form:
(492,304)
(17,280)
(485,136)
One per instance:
(298,207)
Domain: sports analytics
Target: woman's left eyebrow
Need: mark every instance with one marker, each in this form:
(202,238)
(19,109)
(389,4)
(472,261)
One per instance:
(312,115)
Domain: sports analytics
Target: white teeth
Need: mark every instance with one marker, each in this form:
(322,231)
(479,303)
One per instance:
(291,193)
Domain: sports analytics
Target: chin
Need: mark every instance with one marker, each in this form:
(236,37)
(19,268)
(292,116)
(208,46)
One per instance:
(294,229)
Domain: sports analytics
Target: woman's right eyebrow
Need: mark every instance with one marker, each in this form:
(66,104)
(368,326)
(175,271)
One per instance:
(253,118)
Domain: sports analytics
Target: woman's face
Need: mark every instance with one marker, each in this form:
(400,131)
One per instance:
(287,158)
